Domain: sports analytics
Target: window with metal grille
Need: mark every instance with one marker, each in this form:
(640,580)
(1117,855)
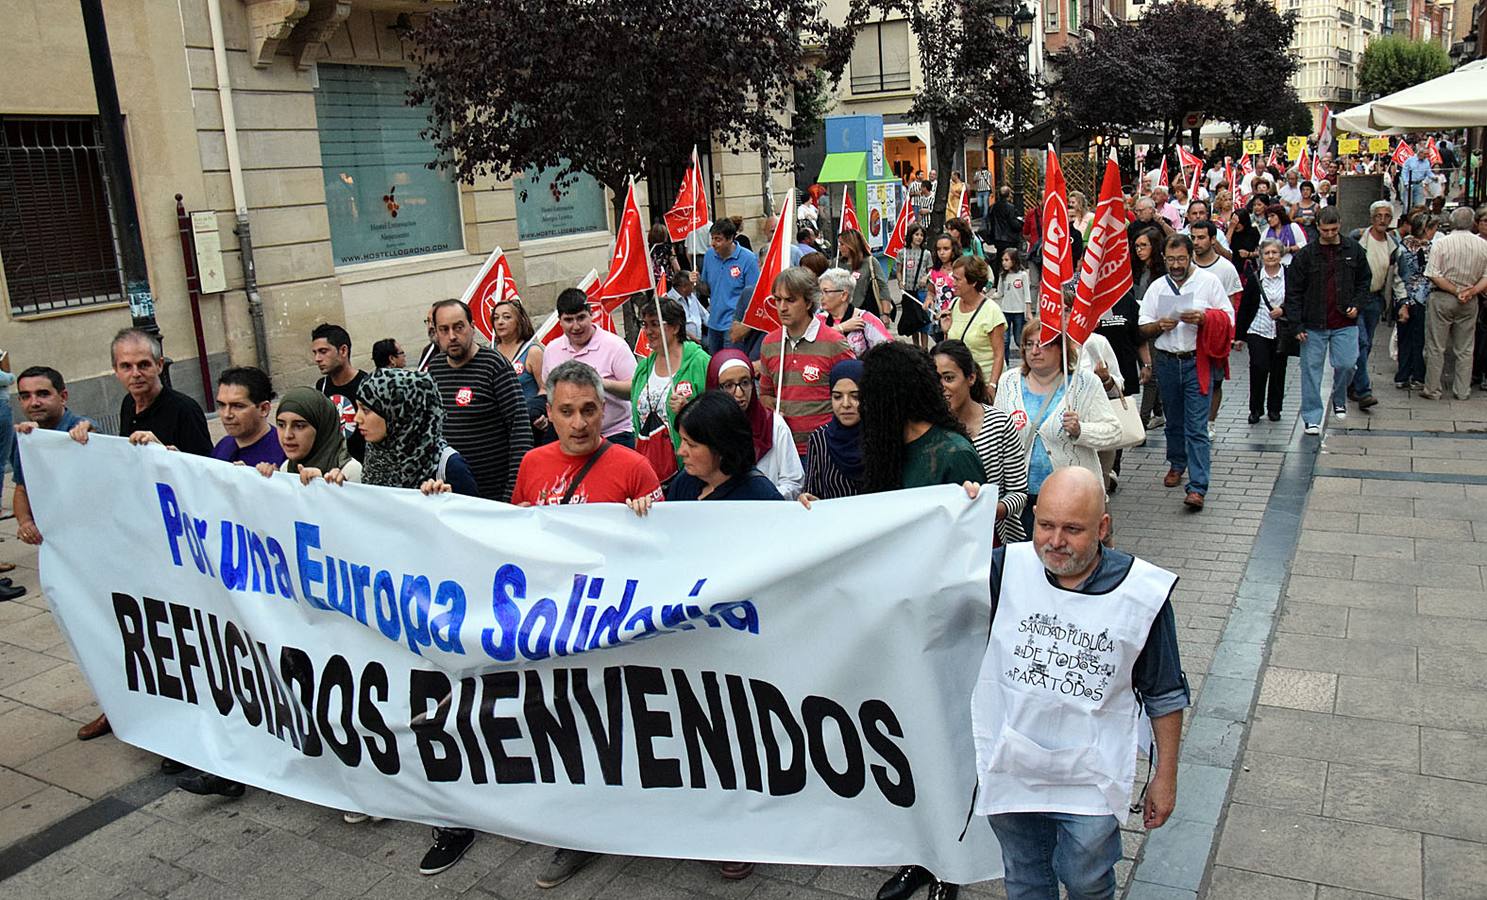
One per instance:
(58,239)
(880,58)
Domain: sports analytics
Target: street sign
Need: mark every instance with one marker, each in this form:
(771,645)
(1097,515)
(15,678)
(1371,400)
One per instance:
(1295,144)
(1255,147)
(1192,120)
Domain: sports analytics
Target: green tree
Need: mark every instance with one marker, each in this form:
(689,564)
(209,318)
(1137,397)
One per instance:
(975,77)
(609,88)
(1394,63)
(1235,65)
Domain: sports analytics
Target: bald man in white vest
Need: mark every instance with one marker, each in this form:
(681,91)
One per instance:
(1083,642)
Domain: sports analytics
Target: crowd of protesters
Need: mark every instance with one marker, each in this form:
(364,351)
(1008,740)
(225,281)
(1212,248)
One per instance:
(864,389)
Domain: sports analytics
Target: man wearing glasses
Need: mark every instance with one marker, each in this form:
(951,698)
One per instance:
(798,355)
(1173,315)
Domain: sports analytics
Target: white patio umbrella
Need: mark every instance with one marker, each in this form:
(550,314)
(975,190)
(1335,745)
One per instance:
(1457,99)
(1358,120)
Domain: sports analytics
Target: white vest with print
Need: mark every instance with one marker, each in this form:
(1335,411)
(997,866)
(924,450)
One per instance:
(1054,715)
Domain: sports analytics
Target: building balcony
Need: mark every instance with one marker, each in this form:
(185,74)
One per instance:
(1345,16)
(1345,95)
(1345,57)
(1368,24)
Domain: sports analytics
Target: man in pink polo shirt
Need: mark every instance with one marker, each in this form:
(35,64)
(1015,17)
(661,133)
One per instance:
(604,352)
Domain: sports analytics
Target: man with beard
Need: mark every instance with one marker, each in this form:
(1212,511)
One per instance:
(1083,639)
(485,413)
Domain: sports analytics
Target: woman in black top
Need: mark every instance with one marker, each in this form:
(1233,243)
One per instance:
(1244,243)
(717,454)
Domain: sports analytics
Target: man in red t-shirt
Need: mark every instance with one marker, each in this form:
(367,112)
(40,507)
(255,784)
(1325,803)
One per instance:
(581,467)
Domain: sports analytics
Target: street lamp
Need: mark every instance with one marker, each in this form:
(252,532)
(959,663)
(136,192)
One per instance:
(1019,21)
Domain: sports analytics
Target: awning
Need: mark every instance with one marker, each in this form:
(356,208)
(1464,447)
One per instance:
(1357,119)
(1455,100)
(839,167)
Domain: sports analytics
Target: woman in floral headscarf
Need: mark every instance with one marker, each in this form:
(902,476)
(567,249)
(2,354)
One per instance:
(399,413)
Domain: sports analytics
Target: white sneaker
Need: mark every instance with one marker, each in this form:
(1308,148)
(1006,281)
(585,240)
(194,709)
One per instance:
(1313,429)
(1339,413)
(356,818)
(1211,433)
(1157,422)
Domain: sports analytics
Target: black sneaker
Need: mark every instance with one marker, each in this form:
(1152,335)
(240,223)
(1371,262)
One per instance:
(206,784)
(449,845)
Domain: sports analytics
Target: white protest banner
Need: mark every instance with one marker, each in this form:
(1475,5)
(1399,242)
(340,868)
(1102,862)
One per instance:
(751,681)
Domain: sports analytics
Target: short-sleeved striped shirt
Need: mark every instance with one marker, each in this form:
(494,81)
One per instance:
(1460,257)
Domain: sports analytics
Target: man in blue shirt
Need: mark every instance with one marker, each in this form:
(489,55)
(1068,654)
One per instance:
(731,272)
(1414,175)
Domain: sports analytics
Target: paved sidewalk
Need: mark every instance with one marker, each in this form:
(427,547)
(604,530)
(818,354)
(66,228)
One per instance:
(1363,773)
(94,820)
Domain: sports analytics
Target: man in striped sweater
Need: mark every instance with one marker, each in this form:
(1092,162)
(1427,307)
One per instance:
(485,414)
(798,356)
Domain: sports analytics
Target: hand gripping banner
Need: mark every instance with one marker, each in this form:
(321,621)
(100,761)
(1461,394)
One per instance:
(716,681)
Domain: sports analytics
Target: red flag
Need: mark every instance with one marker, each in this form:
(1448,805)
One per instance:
(1187,158)
(1058,267)
(1246,165)
(1105,272)
(493,283)
(1432,152)
(1162,176)
(1402,153)
(629,261)
(760,313)
(689,212)
(1274,161)
(1303,165)
(1318,167)
(1193,184)
(849,214)
(897,240)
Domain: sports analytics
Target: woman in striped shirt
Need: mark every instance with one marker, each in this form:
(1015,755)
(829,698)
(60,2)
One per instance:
(991,432)
(833,465)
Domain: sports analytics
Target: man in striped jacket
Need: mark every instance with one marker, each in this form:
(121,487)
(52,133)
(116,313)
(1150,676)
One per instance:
(797,357)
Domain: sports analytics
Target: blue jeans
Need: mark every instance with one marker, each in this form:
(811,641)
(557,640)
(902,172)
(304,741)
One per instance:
(1411,346)
(1015,321)
(1368,321)
(1342,345)
(1041,849)
(1188,446)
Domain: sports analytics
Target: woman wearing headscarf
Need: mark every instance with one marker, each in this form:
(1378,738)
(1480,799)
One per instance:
(314,445)
(833,459)
(774,446)
(399,413)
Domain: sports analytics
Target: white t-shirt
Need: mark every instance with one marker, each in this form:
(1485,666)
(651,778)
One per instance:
(1201,291)
(1227,275)
(1290,194)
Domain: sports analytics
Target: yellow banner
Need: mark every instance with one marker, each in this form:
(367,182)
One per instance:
(1255,146)
(1348,146)
(1378,145)
(1294,145)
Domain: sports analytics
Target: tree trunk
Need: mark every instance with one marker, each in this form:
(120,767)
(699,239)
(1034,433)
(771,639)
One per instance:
(945,147)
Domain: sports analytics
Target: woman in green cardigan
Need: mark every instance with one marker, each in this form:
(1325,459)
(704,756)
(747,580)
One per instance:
(675,372)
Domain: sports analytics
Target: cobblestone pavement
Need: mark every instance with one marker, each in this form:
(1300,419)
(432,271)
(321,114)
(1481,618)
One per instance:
(95,820)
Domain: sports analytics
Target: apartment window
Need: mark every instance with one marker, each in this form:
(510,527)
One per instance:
(384,201)
(1073,16)
(58,237)
(880,58)
(1050,19)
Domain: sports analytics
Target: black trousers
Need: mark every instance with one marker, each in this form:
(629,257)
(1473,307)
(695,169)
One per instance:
(1267,375)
